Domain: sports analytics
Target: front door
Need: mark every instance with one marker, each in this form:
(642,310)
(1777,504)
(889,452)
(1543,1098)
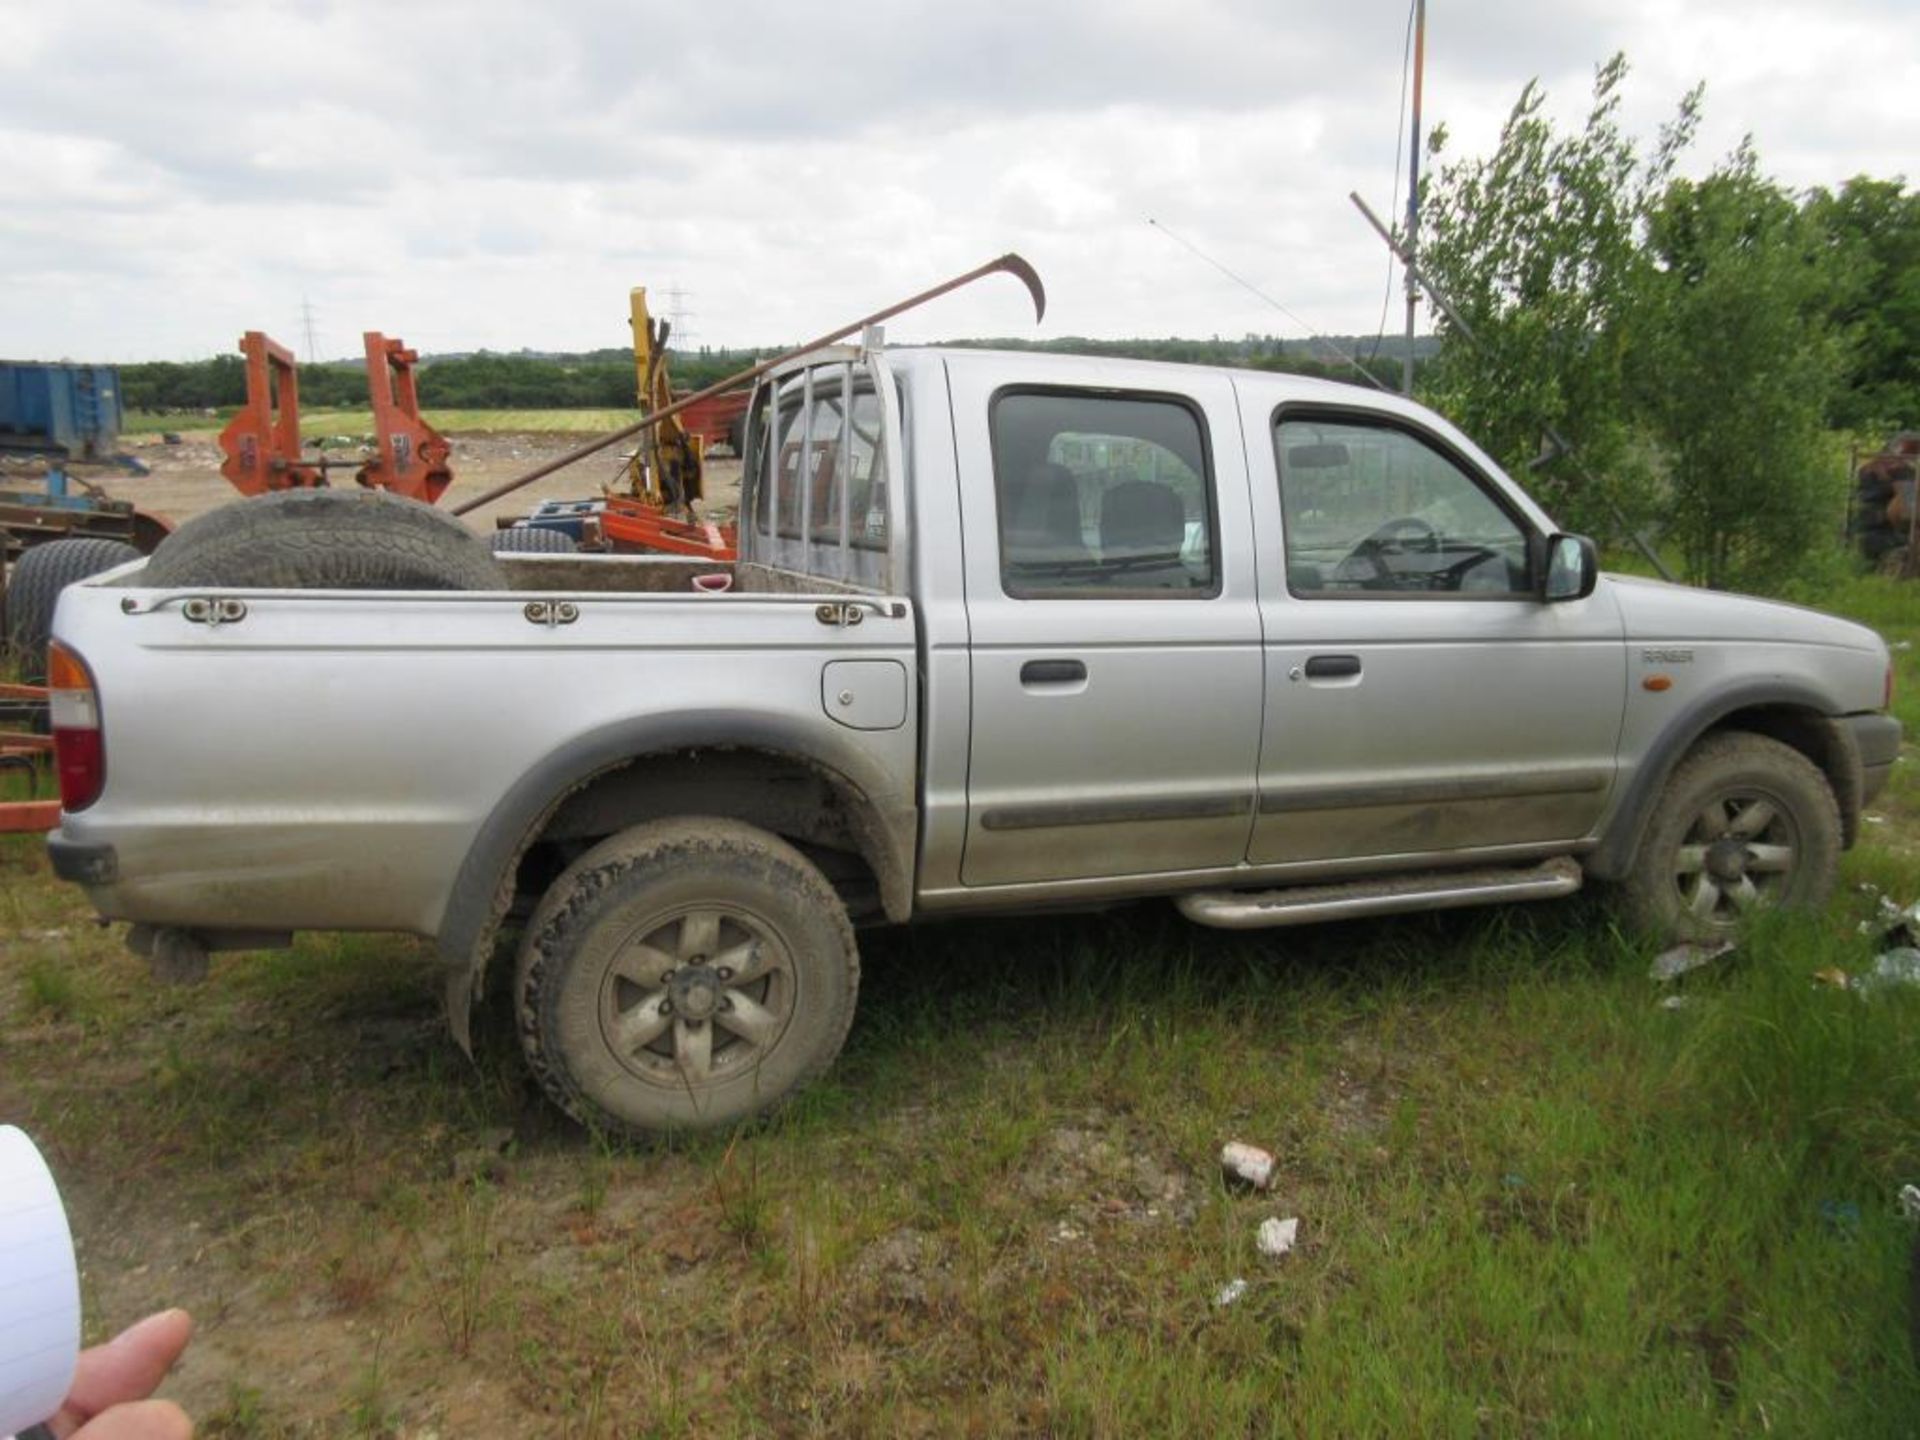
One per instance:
(1421,701)
(1115,628)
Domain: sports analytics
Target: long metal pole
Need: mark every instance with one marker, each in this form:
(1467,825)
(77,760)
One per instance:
(1011,263)
(1413,190)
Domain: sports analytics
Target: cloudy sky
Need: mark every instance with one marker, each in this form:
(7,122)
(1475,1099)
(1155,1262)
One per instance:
(492,173)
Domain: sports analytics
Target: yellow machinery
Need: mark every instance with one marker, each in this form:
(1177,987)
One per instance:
(666,470)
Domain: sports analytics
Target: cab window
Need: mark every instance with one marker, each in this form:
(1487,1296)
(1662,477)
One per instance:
(1372,510)
(1102,496)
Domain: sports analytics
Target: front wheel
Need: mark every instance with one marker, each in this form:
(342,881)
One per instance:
(685,975)
(1745,824)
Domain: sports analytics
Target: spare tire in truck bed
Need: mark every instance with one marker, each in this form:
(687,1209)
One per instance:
(325,540)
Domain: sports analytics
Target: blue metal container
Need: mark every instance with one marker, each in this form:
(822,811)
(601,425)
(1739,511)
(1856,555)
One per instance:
(567,516)
(71,411)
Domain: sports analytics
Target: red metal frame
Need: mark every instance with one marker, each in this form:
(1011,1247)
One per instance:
(629,522)
(26,817)
(262,442)
(410,456)
(29,817)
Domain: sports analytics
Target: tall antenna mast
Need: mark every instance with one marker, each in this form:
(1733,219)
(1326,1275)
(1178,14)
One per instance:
(1413,191)
(677,316)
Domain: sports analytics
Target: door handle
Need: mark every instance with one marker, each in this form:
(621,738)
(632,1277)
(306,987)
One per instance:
(1332,667)
(1052,672)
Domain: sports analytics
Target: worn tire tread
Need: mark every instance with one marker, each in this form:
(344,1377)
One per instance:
(34,586)
(326,540)
(531,540)
(1730,752)
(568,905)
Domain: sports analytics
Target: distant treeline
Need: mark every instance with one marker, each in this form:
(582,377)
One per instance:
(1333,357)
(598,381)
(604,379)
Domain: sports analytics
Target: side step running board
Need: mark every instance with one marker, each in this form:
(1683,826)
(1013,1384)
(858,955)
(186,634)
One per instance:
(1429,890)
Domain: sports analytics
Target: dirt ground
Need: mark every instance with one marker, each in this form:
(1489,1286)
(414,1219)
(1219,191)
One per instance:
(186,479)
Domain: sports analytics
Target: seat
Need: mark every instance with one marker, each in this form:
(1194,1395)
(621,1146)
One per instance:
(1142,529)
(1043,525)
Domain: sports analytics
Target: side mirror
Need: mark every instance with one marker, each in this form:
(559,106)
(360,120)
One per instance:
(1572,569)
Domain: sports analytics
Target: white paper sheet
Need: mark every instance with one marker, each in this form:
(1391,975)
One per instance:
(39,1288)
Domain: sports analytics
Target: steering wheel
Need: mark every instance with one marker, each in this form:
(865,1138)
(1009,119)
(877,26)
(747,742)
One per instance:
(1366,565)
(1388,536)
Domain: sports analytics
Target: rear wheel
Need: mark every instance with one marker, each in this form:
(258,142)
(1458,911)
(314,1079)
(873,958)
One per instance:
(1745,824)
(683,975)
(34,586)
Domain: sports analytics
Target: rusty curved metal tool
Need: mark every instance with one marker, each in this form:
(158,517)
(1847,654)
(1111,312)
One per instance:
(1009,263)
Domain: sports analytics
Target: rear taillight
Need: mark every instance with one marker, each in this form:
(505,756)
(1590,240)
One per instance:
(79,753)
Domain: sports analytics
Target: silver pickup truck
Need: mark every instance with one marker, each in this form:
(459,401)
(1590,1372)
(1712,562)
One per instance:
(1008,632)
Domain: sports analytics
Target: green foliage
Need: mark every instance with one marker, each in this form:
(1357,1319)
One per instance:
(1329,357)
(1733,371)
(1689,338)
(1874,228)
(601,379)
(1539,248)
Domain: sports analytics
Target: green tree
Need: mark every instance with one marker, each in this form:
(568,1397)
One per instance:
(1873,229)
(1734,367)
(1674,331)
(1539,247)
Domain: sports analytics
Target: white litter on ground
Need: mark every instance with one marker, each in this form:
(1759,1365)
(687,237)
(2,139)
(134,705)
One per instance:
(1672,964)
(1277,1236)
(1248,1164)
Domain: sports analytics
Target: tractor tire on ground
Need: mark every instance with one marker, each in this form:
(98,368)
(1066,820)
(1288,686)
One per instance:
(34,588)
(326,540)
(684,975)
(531,540)
(1745,823)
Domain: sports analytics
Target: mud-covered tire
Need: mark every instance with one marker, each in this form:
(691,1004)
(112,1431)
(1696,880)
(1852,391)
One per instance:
(667,931)
(1744,823)
(326,540)
(531,540)
(33,589)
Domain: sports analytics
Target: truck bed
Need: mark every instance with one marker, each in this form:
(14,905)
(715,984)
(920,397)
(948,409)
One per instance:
(325,759)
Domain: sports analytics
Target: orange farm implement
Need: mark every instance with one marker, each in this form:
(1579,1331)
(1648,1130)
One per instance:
(25,752)
(262,442)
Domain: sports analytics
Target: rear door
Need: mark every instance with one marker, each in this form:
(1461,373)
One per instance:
(1116,660)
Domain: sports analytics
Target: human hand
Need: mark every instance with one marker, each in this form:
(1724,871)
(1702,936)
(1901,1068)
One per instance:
(108,1398)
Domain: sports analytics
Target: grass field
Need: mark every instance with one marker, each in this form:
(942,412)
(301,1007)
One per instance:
(1532,1199)
(319,424)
